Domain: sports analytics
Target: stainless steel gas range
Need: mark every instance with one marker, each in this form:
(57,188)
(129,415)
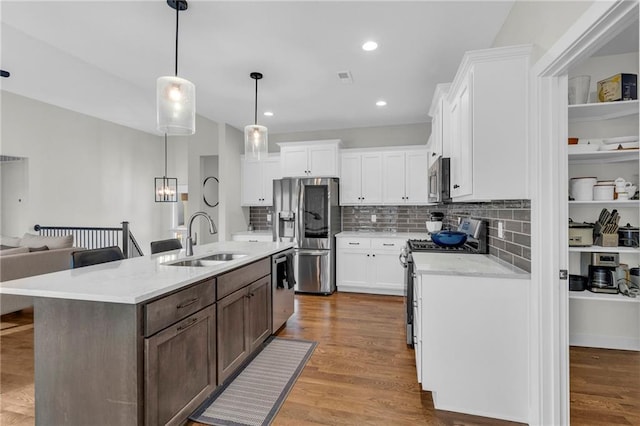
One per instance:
(477,243)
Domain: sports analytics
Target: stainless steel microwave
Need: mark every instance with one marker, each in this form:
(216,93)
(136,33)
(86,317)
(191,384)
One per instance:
(439,181)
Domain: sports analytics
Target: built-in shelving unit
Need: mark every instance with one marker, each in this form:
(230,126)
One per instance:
(599,157)
(611,203)
(587,295)
(600,249)
(602,111)
(588,311)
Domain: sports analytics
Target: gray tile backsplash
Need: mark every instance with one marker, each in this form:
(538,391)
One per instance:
(514,248)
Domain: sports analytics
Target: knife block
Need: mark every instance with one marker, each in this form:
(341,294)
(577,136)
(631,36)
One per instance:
(607,240)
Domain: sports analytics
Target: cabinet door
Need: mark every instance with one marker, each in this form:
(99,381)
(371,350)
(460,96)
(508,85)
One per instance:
(251,182)
(350,179)
(371,178)
(233,346)
(259,312)
(352,272)
(294,161)
(322,161)
(462,142)
(416,177)
(270,171)
(180,368)
(388,274)
(393,178)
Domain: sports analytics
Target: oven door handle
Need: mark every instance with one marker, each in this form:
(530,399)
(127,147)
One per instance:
(403,259)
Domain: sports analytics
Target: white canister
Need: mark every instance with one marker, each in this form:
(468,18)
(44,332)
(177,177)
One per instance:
(623,196)
(603,192)
(581,188)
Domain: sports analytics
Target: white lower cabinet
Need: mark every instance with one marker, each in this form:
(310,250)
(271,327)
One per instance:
(472,348)
(370,265)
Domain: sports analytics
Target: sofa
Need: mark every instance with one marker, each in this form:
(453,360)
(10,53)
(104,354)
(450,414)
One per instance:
(28,256)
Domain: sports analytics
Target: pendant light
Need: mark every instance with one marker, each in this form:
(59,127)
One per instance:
(166,187)
(255,136)
(175,96)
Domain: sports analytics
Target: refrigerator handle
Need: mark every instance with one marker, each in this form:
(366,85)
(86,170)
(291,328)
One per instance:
(313,252)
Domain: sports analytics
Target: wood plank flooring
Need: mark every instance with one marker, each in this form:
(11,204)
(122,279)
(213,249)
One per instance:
(361,373)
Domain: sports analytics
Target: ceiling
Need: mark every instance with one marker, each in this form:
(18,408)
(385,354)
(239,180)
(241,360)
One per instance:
(103,58)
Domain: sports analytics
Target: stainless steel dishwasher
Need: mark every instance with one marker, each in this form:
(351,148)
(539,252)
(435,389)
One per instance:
(282,288)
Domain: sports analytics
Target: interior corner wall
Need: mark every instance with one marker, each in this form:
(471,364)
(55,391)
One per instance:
(84,171)
(203,143)
(233,217)
(362,137)
(540,23)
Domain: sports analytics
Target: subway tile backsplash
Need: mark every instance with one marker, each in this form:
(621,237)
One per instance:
(514,249)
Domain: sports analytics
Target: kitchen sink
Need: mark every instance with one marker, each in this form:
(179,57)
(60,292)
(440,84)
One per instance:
(223,256)
(210,260)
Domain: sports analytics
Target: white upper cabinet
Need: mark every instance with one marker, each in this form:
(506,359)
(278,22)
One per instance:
(257,180)
(405,176)
(310,159)
(488,136)
(439,113)
(360,178)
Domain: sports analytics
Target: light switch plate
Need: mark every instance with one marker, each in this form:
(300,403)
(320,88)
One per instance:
(373,218)
(501,229)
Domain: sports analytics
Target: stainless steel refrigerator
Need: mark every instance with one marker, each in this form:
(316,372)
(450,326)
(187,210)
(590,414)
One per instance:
(306,212)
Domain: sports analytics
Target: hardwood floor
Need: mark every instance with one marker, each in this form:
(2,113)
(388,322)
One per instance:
(361,373)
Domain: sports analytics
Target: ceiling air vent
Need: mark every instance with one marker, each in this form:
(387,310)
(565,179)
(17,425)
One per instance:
(345,77)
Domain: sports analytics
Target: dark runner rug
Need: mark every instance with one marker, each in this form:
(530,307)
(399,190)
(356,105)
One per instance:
(254,396)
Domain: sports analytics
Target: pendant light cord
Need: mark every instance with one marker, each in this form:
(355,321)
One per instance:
(255,116)
(165,155)
(177,20)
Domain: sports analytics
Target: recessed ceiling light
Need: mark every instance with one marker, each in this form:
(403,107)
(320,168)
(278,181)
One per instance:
(268,113)
(369,46)
(381,103)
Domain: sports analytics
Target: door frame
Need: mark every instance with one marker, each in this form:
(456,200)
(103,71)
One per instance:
(549,299)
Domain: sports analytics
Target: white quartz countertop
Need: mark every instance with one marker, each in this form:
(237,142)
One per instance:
(465,264)
(136,280)
(375,234)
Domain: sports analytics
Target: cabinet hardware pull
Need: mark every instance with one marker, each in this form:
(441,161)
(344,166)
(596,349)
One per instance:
(373,255)
(368,255)
(187,303)
(253,241)
(354,244)
(251,294)
(433,154)
(456,186)
(191,322)
(388,244)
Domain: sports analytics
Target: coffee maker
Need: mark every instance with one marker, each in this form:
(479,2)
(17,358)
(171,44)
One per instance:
(602,272)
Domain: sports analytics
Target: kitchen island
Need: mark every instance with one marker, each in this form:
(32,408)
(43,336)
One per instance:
(142,341)
(471,330)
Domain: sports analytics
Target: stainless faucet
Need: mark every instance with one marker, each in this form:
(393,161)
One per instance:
(192,241)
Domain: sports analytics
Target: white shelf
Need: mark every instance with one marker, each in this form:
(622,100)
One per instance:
(587,295)
(603,110)
(601,249)
(612,203)
(605,156)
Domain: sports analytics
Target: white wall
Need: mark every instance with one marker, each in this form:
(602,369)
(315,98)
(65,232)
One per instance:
(408,134)
(84,171)
(233,218)
(540,23)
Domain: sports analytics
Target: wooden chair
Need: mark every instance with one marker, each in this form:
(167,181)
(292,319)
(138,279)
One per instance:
(95,256)
(165,245)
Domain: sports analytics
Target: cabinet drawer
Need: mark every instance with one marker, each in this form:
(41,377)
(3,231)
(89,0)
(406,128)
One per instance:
(354,243)
(241,277)
(391,244)
(166,311)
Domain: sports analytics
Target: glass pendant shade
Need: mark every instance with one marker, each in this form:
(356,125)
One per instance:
(176,105)
(166,189)
(255,142)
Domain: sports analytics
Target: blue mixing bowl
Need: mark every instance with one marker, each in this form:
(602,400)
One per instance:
(449,238)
